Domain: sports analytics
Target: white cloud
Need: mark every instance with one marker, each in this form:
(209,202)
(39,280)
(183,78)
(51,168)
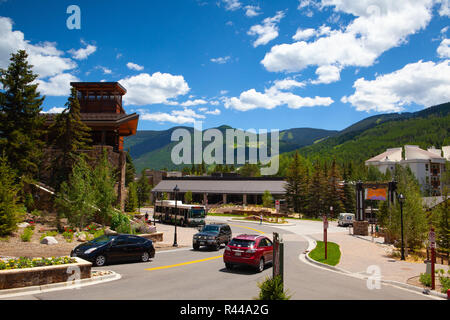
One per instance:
(423,83)
(145,89)
(327,74)
(252,11)
(304,34)
(379,26)
(54,110)
(58,85)
(444,9)
(83,53)
(44,57)
(231,5)
(195,102)
(105,70)
(221,60)
(223,92)
(444,49)
(176,116)
(267,31)
(134,66)
(274,97)
(214,112)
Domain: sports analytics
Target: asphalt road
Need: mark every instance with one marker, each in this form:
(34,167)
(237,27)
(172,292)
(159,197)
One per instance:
(184,274)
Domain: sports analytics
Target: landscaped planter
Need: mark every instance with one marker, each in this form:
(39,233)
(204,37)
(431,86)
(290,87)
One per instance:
(156,236)
(19,278)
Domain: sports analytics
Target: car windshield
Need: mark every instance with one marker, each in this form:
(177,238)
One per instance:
(197,213)
(210,228)
(242,243)
(102,239)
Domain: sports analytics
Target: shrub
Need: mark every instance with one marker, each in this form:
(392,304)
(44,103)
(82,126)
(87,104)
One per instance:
(125,227)
(99,233)
(36,262)
(27,234)
(68,235)
(118,218)
(425,279)
(444,280)
(272,289)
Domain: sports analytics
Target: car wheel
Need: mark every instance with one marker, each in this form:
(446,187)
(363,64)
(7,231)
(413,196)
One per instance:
(261,265)
(100,260)
(229,266)
(196,246)
(145,256)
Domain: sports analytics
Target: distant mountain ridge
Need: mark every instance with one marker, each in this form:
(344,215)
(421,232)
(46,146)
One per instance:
(360,141)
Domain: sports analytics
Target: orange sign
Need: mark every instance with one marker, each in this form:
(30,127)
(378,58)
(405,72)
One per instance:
(376,194)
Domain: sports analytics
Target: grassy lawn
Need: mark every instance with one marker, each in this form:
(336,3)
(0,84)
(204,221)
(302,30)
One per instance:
(333,253)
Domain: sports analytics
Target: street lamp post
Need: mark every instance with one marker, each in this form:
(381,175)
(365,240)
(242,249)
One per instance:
(401,200)
(176,189)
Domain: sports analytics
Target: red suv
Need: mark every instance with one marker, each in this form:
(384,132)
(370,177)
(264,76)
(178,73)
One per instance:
(248,249)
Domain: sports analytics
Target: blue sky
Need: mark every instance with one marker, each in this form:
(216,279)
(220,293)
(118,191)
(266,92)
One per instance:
(248,64)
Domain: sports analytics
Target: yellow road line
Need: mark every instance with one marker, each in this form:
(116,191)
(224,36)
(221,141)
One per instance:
(184,263)
(247,228)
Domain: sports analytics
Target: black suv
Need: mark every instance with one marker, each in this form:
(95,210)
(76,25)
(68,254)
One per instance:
(212,235)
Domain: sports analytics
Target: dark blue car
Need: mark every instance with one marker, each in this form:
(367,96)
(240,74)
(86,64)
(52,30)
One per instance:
(115,248)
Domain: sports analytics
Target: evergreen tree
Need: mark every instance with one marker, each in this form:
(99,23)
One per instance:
(297,184)
(267,199)
(76,198)
(21,125)
(335,192)
(349,191)
(130,170)
(9,188)
(317,192)
(71,137)
(143,189)
(441,216)
(103,182)
(188,197)
(132,198)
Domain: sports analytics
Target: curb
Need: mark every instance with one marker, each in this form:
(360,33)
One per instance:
(312,245)
(74,284)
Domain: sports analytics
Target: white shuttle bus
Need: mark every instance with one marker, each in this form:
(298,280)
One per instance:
(185,214)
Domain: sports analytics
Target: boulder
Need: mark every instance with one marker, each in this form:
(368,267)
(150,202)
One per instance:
(23,225)
(81,237)
(49,240)
(109,232)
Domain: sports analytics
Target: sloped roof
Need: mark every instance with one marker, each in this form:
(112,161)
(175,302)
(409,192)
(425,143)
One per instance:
(222,186)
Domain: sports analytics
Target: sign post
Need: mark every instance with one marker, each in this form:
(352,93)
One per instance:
(325,227)
(278,249)
(277,205)
(432,238)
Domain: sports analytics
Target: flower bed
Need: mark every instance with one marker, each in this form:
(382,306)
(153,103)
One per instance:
(24,272)
(22,262)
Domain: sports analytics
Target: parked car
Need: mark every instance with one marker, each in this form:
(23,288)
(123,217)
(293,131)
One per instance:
(346,219)
(115,248)
(212,235)
(251,250)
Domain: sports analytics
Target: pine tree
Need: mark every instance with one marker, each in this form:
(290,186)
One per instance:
(132,198)
(143,189)
(317,192)
(348,190)
(21,125)
(188,197)
(267,199)
(76,198)
(9,209)
(130,170)
(72,137)
(335,192)
(297,184)
(103,181)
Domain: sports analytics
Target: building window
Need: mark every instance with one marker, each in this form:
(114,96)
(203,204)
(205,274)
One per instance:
(426,167)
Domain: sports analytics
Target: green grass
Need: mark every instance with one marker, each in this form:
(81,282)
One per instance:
(333,253)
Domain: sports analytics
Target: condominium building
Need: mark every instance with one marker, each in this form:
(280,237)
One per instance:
(427,165)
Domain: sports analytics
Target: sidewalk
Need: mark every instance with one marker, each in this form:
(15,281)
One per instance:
(357,254)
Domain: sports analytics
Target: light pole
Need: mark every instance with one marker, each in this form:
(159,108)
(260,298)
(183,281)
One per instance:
(176,189)
(401,199)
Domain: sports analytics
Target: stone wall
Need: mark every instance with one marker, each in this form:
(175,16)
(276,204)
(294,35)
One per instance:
(19,278)
(156,237)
